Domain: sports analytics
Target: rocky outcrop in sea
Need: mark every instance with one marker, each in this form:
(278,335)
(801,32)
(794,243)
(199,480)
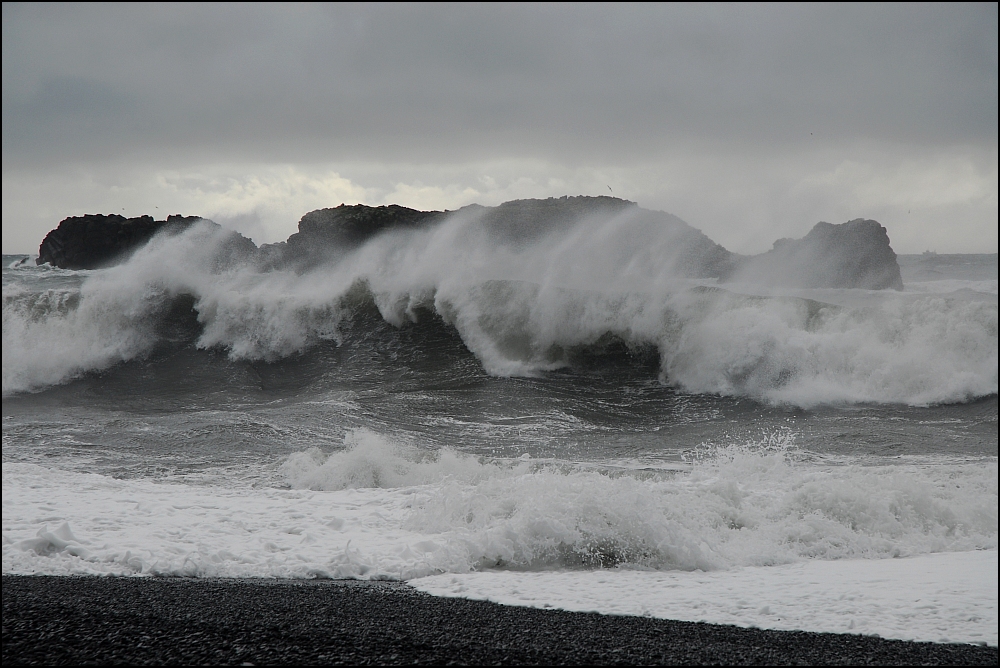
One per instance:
(96,240)
(855,254)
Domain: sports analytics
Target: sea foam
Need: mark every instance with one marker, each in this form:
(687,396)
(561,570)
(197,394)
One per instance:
(946,597)
(382,510)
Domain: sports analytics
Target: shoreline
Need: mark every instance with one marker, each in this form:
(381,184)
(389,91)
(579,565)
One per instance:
(69,620)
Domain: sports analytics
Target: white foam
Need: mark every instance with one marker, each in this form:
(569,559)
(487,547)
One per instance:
(371,460)
(48,339)
(745,535)
(903,350)
(948,597)
(406,515)
(129,527)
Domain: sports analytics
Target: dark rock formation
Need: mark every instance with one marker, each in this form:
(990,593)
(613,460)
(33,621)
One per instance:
(328,233)
(353,225)
(94,240)
(855,254)
(512,222)
(692,254)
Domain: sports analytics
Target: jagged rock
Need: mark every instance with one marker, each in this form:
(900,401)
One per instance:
(94,240)
(855,254)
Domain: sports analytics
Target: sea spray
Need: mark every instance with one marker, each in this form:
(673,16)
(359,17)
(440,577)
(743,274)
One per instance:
(522,309)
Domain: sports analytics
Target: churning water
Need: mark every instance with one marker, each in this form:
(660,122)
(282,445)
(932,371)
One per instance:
(436,403)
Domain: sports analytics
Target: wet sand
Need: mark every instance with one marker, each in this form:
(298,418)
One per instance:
(60,620)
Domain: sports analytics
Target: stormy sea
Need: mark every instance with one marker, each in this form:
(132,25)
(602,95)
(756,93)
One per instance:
(572,415)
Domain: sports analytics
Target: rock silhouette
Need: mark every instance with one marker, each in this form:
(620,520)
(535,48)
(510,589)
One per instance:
(855,254)
(94,240)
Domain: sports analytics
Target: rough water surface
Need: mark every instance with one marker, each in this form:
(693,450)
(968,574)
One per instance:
(512,421)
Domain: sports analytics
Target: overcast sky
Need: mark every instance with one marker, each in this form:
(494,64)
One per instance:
(749,122)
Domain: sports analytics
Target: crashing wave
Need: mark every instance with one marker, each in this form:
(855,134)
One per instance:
(526,293)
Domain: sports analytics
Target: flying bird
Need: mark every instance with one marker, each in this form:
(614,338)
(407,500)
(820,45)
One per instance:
(609,188)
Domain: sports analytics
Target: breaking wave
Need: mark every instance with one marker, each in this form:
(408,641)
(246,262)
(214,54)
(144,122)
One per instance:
(521,309)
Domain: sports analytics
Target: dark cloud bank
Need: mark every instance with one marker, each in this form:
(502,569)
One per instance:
(423,82)
(388,92)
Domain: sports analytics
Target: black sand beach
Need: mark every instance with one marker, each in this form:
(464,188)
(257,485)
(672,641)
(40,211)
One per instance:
(81,620)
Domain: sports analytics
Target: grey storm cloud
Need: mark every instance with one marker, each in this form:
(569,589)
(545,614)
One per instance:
(454,82)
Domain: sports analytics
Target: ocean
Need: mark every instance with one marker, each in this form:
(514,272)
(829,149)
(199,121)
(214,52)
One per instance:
(561,422)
